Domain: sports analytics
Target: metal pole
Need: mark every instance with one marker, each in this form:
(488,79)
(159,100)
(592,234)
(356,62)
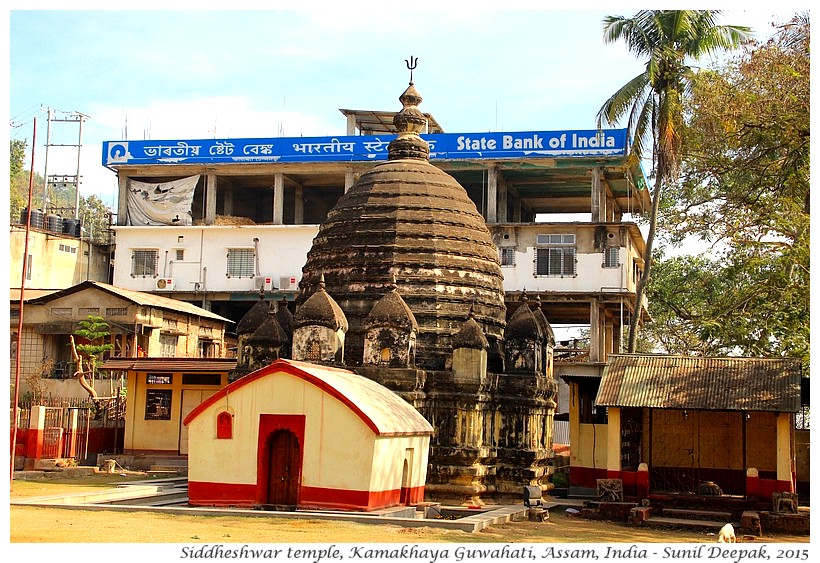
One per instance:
(45,170)
(22,300)
(77,179)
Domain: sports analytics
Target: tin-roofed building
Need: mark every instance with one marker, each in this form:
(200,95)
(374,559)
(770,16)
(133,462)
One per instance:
(675,422)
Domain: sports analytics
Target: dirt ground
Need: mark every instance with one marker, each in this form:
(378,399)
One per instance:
(66,525)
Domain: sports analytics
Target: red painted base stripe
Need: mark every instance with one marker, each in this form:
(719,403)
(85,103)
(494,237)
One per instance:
(244,495)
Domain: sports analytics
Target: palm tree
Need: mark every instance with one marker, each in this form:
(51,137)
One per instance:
(651,101)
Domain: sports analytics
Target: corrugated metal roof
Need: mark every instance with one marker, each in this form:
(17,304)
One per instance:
(678,382)
(383,411)
(169,364)
(138,297)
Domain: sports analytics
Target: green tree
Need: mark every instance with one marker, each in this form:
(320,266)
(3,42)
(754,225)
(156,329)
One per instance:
(18,179)
(95,218)
(92,333)
(743,192)
(652,101)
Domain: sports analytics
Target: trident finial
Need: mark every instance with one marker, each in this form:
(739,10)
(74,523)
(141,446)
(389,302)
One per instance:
(412,62)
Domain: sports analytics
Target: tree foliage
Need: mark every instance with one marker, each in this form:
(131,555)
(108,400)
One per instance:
(744,193)
(92,334)
(653,101)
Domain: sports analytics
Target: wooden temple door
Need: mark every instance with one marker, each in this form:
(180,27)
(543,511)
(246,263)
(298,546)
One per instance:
(284,473)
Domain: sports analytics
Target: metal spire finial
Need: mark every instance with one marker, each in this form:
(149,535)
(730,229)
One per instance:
(412,62)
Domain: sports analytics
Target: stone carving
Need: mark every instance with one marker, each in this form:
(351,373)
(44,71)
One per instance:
(610,490)
(784,502)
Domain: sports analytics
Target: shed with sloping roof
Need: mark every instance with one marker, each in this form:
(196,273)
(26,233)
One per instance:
(302,435)
(677,422)
(161,393)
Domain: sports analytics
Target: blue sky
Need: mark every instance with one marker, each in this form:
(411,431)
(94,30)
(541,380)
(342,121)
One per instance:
(180,74)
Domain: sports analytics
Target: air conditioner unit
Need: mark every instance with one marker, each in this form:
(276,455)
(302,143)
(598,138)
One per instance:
(264,282)
(289,283)
(166,284)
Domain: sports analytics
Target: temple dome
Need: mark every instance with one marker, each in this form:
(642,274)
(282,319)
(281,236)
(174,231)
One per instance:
(254,317)
(407,220)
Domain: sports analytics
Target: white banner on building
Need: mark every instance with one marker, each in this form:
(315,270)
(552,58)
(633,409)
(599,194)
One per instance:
(166,203)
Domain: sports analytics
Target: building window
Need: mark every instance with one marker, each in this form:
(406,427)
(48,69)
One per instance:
(116,311)
(67,248)
(507,255)
(240,263)
(61,311)
(180,254)
(168,345)
(555,255)
(201,379)
(158,404)
(144,263)
(86,311)
(29,265)
(612,257)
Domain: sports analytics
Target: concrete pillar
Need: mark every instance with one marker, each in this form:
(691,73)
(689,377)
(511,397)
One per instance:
(122,199)
(228,204)
(278,198)
(613,443)
(34,436)
(594,332)
(210,199)
(502,202)
(595,196)
(492,195)
(516,210)
(752,483)
(785,481)
(299,206)
(574,424)
(351,124)
(350,179)
(642,481)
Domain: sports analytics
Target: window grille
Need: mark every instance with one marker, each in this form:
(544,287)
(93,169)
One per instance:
(144,263)
(86,311)
(240,263)
(555,261)
(612,257)
(168,345)
(180,254)
(116,311)
(507,256)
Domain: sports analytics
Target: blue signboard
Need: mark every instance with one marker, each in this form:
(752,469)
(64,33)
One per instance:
(443,146)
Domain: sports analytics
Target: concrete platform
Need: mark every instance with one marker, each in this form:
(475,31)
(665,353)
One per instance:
(163,496)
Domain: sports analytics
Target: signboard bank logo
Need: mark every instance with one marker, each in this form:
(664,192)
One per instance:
(522,144)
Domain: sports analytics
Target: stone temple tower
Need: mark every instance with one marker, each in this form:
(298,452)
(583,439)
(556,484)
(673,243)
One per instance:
(409,260)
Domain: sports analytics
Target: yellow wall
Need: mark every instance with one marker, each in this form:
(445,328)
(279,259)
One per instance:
(158,435)
(391,453)
(338,451)
(589,441)
(58,261)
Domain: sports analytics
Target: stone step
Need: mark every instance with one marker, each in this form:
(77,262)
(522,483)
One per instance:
(716,515)
(666,521)
(168,469)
